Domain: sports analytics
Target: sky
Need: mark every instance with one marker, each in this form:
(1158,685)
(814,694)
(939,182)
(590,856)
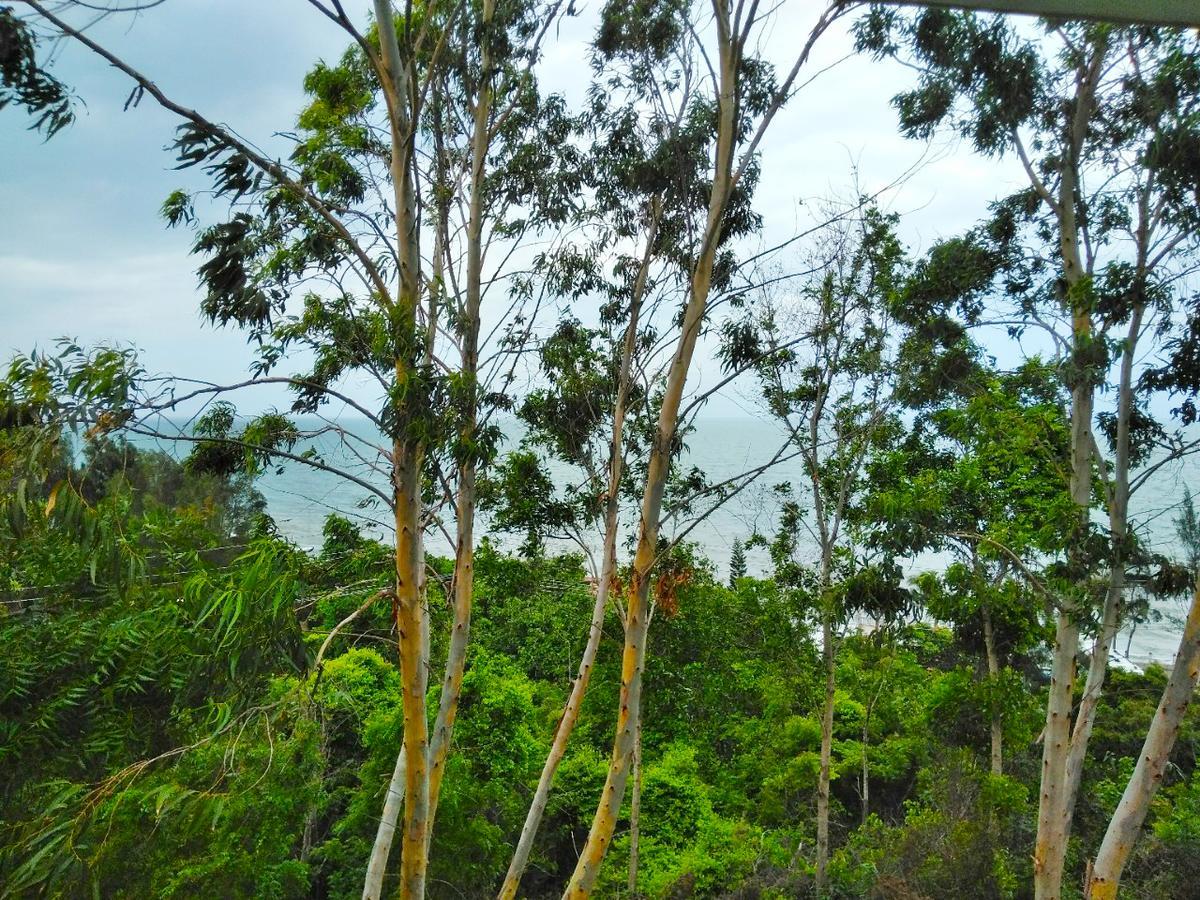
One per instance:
(85,254)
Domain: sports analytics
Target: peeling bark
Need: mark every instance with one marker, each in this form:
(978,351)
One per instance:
(635,811)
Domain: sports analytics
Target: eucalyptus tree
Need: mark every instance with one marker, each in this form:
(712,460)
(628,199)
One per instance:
(594,376)
(430,129)
(832,395)
(1091,254)
(24,78)
(745,96)
(593,411)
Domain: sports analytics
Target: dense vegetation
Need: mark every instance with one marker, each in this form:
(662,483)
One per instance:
(194,706)
(166,731)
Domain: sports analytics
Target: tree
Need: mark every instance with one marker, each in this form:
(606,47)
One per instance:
(24,80)
(978,475)
(1096,116)
(566,417)
(346,210)
(1104,875)
(648,183)
(742,85)
(737,562)
(832,397)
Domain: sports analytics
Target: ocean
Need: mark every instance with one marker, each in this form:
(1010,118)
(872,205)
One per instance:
(299,498)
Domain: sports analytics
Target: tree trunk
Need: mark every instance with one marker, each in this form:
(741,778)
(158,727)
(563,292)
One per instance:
(382,849)
(408,455)
(608,568)
(412,626)
(562,733)
(1093,686)
(1053,814)
(464,557)
(635,809)
(1127,821)
(1053,811)
(1050,850)
(1118,528)
(823,778)
(633,661)
(407,460)
(993,664)
(865,787)
(658,470)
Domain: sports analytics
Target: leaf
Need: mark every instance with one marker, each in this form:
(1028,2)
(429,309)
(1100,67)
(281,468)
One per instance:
(52,500)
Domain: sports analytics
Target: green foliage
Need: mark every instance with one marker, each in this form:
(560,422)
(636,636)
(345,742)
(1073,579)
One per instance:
(229,811)
(25,81)
(160,731)
(956,839)
(269,780)
(737,563)
(689,847)
(502,740)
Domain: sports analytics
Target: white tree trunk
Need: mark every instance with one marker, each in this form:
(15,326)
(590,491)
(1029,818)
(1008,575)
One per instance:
(464,556)
(382,849)
(1118,528)
(587,868)
(1127,821)
(1054,812)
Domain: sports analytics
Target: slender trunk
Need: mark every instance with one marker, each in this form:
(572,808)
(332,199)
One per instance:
(1147,776)
(1097,672)
(392,804)
(658,469)
(993,664)
(566,722)
(408,455)
(412,626)
(1054,817)
(608,567)
(464,558)
(632,664)
(1051,840)
(865,788)
(635,809)
(1118,528)
(393,800)
(823,778)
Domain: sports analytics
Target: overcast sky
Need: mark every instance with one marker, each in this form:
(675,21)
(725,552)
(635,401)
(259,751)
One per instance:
(84,253)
